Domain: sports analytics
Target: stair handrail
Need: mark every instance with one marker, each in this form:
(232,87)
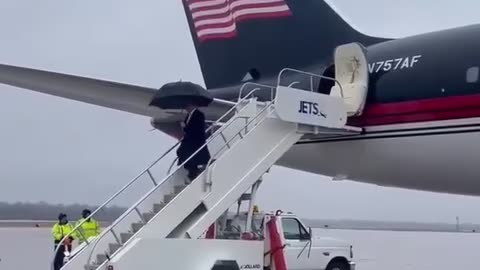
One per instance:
(229,111)
(311,78)
(146,170)
(255,84)
(134,207)
(143,198)
(114,196)
(269,105)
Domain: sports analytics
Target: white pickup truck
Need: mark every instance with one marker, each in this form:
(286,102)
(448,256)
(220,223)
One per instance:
(302,249)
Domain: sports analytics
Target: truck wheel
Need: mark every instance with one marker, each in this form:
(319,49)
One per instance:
(338,266)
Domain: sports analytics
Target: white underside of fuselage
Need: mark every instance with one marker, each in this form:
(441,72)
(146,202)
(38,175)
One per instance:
(441,156)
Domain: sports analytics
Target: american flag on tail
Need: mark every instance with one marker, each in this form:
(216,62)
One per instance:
(217,19)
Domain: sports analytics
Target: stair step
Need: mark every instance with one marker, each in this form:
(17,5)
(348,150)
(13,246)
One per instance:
(157,207)
(113,247)
(101,258)
(178,189)
(246,197)
(137,226)
(91,266)
(167,198)
(148,215)
(125,236)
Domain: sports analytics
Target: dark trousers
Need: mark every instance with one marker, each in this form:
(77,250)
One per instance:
(60,256)
(194,171)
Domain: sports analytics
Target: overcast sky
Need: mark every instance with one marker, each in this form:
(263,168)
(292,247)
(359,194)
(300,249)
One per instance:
(62,151)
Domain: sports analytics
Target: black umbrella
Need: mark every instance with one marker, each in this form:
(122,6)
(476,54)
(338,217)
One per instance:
(178,95)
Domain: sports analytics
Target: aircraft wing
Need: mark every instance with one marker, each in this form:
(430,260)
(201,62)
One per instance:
(118,96)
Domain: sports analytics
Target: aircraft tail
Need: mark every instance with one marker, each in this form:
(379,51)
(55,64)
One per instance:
(235,39)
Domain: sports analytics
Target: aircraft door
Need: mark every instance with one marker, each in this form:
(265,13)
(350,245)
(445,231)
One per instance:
(351,73)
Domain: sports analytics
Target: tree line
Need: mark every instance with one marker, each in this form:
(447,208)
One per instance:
(45,211)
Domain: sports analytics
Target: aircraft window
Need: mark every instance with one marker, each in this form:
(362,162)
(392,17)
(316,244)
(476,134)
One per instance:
(472,75)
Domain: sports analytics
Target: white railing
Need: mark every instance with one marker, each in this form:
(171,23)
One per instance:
(135,206)
(147,171)
(310,75)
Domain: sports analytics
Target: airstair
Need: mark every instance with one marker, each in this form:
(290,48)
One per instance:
(245,143)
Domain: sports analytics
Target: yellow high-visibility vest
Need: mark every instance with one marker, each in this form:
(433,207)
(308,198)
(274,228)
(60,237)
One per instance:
(60,231)
(88,229)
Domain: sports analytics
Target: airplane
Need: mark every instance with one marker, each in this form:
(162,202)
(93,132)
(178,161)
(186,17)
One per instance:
(420,119)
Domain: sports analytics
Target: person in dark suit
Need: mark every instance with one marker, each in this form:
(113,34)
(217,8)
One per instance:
(194,137)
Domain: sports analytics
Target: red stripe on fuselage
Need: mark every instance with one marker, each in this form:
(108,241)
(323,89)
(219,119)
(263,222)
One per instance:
(445,108)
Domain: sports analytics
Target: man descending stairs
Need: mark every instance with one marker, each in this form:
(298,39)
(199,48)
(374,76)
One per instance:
(194,138)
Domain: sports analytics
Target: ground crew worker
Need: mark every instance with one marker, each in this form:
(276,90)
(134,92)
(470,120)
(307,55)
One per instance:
(89,228)
(59,231)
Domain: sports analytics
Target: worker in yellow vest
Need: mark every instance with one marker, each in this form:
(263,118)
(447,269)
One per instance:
(59,231)
(89,228)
